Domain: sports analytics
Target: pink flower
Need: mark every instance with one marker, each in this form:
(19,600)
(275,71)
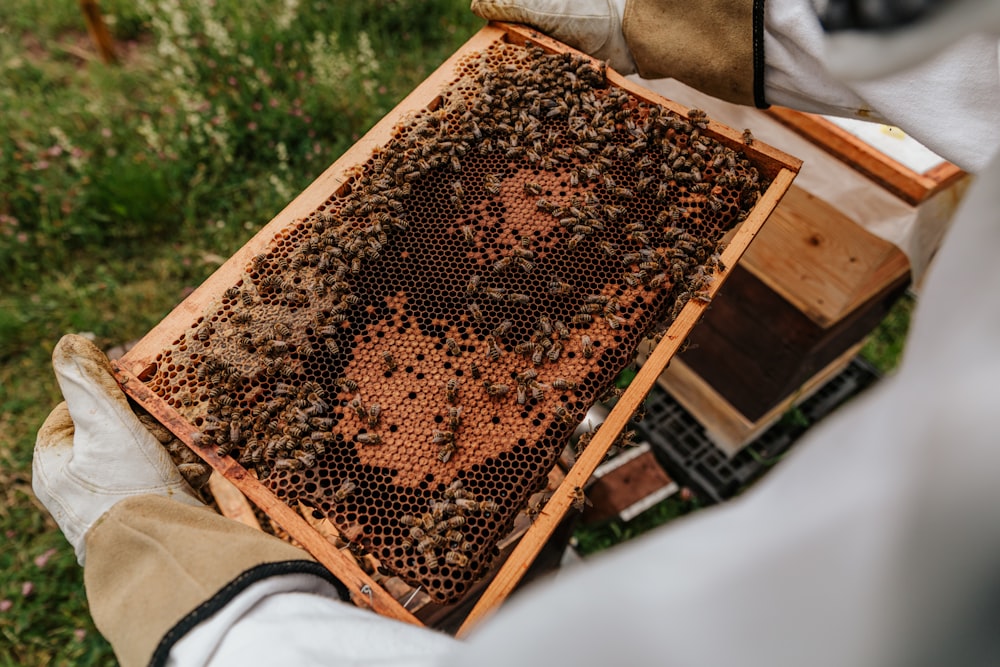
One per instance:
(273,103)
(79,634)
(105,132)
(5,605)
(232,81)
(256,106)
(252,126)
(43,558)
(54,151)
(40,165)
(27,589)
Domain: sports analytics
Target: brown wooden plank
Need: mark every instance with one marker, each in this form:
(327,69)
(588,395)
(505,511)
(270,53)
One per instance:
(754,348)
(907,184)
(232,504)
(363,589)
(727,427)
(624,486)
(820,260)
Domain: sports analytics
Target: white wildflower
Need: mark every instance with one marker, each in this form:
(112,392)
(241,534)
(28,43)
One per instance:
(287,14)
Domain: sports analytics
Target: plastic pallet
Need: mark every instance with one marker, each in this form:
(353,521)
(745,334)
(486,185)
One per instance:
(691,458)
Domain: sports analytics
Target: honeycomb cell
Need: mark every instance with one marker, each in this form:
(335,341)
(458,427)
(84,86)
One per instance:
(410,358)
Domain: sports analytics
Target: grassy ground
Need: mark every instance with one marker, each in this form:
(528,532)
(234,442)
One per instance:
(123,187)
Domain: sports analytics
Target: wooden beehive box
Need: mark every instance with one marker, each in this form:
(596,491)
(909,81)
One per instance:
(405,349)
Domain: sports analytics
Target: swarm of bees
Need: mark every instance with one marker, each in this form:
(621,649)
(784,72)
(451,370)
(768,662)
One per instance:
(532,228)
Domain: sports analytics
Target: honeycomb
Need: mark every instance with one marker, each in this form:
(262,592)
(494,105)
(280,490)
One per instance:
(409,359)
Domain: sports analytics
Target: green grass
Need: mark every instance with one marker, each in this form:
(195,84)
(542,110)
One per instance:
(122,187)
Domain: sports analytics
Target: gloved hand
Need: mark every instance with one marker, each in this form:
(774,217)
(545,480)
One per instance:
(592,26)
(93,451)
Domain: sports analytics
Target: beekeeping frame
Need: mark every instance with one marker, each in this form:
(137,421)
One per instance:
(143,368)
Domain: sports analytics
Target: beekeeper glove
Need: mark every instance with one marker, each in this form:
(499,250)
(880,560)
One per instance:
(93,451)
(592,26)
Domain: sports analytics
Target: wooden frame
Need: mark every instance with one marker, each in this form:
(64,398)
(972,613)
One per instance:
(139,363)
(907,184)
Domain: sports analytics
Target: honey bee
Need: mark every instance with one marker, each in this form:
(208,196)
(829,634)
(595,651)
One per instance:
(522,394)
(492,182)
(332,346)
(457,559)
(747,137)
(232,293)
(518,298)
(477,313)
(447,449)
(467,504)
(503,329)
(281,330)
(374,414)
(562,331)
(502,264)
(287,464)
(469,234)
(496,293)
(545,205)
(344,490)
(369,438)
(538,354)
(454,418)
(451,391)
(564,384)
(389,362)
(554,351)
(582,318)
(426,545)
(358,408)
(532,188)
(453,348)
(563,415)
(473,284)
(614,321)
(474,370)
(579,499)
(455,522)
(430,560)
(204,332)
(496,390)
(560,288)
(453,489)
(346,384)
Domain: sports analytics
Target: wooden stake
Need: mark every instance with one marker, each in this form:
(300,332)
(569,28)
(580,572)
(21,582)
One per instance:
(99,31)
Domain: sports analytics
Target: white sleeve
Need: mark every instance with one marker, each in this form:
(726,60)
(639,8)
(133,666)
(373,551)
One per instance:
(298,619)
(950,103)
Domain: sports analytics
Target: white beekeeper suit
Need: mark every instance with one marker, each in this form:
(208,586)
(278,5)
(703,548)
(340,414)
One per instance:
(876,543)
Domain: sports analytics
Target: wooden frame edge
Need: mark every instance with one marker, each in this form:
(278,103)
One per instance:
(364,591)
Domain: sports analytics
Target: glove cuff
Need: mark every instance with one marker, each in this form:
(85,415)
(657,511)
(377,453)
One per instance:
(156,568)
(716,46)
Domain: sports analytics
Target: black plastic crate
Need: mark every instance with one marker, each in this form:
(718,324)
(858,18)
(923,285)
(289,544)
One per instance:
(691,458)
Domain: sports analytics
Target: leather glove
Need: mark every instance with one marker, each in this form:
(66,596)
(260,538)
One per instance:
(92,450)
(592,26)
